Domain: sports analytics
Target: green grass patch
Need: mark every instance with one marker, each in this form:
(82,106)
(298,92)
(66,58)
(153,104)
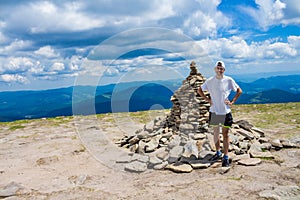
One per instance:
(266,158)
(283,118)
(234,178)
(28,136)
(147,116)
(15,127)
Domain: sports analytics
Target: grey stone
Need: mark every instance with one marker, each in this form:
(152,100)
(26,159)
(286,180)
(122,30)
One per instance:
(262,134)
(134,148)
(276,143)
(152,144)
(244,124)
(175,141)
(167,135)
(154,161)
(291,192)
(161,166)
(199,136)
(163,155)
(81,179)
(237,150)
(175,154)
(158,132)
(149,126)
(11,189)
(246,134)
(205,153)
(124,158)
(255,147)
(263,140)
(241,157)
(133,140)
(234,139)
(180,167)
(255,134)
(164,140)
(244,145)
(142,146)
(199,165)
(250,161)
(288,144)
(136,167)
(190,148)
(266,146)
(143,135)
(266,154)
(224,170)
(140,158)
(186,126)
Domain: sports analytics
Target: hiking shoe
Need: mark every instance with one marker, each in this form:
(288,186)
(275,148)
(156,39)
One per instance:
(225,162)
(215,157)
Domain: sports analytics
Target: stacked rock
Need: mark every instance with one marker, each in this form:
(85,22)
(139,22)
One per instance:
(190,111)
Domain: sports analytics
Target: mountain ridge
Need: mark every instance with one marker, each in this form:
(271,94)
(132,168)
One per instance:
(132,96)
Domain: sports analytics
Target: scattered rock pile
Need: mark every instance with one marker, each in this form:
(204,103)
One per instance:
(182,141)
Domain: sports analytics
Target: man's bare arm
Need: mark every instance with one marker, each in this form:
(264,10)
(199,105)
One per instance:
(201,93)
(235,98)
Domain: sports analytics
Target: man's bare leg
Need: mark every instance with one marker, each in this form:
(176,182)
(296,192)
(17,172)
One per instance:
(225,140)
(225,161)
(218,154)
(217,137)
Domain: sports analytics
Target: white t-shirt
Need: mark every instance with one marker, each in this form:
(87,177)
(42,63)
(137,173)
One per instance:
(219,90)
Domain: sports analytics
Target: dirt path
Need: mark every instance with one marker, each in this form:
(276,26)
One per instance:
(45,159)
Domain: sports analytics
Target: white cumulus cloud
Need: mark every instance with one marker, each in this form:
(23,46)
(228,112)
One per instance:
(294,41)
(206,20)
(291,12)
(57,66)
(268,13)
(9,78)
(46,51)
(14,46)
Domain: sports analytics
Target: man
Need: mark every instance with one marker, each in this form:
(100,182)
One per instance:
(219,87)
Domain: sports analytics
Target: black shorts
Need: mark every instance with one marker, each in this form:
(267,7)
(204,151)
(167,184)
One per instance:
(225,120)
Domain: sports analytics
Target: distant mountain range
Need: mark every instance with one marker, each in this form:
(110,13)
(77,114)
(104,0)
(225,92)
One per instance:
(130,97)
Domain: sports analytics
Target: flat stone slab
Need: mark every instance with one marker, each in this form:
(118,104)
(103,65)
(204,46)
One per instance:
(10,190)
(282,193)
(224,170)
(241,157)
(140,158)
(199,165)
(266,154)
(199,136)
(250,161)
(288,144)
(276,143)
(246,134)
(160,166)
(136,167)
(125,158)
(180,168)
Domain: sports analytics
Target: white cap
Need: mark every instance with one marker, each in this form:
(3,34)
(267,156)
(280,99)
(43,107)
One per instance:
(220,63)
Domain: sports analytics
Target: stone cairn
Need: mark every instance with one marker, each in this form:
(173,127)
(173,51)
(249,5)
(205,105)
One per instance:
(182,141)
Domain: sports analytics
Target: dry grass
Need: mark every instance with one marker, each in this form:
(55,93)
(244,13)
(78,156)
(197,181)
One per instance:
(281,119)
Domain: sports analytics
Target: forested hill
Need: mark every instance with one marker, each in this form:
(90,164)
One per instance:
(134,96)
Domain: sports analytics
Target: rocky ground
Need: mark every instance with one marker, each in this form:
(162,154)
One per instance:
(74,158)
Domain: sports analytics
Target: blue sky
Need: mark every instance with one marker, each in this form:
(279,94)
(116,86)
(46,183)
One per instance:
(52,44)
